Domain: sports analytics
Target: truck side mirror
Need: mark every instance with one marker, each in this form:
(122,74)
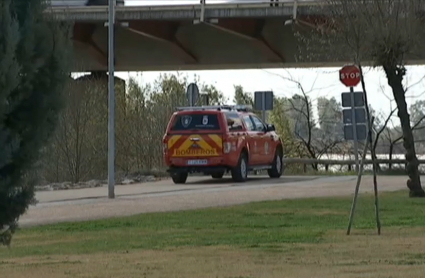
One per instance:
(270,127)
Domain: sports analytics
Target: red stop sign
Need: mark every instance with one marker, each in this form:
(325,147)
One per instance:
(350,75)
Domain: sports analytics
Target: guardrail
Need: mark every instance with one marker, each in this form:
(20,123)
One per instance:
(181,11)
(349,163)
(140,3)
(79,5)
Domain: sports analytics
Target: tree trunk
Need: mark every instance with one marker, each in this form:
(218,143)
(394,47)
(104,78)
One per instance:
(395,78)
(390,156)
(378,166)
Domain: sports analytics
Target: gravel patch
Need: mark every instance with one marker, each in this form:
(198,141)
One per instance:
(131,179)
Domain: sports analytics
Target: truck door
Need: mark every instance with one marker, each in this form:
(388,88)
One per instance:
(253,141)
(263,142)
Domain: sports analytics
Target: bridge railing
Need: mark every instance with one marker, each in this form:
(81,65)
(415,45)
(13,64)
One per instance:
(173,3)
(177,9)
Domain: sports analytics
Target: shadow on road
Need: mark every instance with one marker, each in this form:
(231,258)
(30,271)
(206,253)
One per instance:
(255,180)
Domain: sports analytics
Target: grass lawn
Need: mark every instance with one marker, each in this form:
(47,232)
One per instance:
(290,238)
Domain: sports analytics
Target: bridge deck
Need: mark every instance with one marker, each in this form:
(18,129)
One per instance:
(159,38)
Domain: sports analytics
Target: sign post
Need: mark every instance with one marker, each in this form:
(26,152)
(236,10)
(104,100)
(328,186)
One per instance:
(205,99)
(349,75)
(263,101)
(263,107)
(111,100)
(192,93)
(354,124)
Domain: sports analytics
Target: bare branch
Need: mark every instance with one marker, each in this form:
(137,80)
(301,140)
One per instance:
(384,126)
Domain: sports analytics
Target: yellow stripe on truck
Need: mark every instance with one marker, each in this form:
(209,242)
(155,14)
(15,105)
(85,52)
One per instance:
(204,149)
(188,143)
(173,139)
(217,139)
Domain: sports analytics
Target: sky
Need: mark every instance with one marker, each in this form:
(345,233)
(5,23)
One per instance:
(316,82)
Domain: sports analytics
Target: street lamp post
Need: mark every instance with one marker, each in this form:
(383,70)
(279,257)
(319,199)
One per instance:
(111,100)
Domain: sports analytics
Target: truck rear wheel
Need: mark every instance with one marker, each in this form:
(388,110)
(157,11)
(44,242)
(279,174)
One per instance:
(179,178)
(240,172)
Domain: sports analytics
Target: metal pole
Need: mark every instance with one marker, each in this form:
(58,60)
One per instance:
(111,100)
(202,11)
(370,121)
(263,106)
(356,192)
(191,96)
(354,124)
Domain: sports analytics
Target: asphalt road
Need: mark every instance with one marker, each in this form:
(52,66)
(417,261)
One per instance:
(92,203)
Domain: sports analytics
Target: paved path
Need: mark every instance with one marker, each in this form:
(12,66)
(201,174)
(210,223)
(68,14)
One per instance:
(86,204)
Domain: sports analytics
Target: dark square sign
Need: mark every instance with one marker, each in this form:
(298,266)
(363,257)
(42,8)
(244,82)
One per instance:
(360,114)
(358,99)
(265,98)
(361,132)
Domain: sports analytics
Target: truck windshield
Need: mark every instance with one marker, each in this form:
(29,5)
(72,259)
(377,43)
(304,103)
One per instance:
(195,122)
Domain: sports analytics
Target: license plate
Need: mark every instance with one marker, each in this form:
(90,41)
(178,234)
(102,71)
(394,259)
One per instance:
(197,162)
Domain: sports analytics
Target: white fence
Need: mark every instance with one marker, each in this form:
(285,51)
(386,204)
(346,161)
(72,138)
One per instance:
(334,163)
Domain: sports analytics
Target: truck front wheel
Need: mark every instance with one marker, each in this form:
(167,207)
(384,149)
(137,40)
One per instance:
(240,172)
(277,166)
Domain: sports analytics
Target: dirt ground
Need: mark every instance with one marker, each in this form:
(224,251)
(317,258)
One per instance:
(396,253)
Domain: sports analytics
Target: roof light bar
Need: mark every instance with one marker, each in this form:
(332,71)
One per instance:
(245,108)
(202,108)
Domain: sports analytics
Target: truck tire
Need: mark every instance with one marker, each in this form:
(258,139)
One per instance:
(277,166)
(218,175)
(179,178)
(240,172)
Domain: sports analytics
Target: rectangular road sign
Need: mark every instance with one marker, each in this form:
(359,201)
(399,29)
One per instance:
(361,132)
(360,114)
(267,97)
(358,99)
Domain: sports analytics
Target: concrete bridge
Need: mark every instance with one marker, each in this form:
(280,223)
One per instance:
(232,35)
(185,37)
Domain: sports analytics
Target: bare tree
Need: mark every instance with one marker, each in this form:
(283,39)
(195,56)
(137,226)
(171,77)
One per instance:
(383,33)
(300,110)
(393,138)
(132,129)
(79,133)
(379,132)
(78,150)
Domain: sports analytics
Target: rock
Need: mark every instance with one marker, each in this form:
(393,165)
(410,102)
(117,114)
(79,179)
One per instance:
(61,186)
(128,181)
(149,179)
(124,180)
(43,188)
(94,183)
